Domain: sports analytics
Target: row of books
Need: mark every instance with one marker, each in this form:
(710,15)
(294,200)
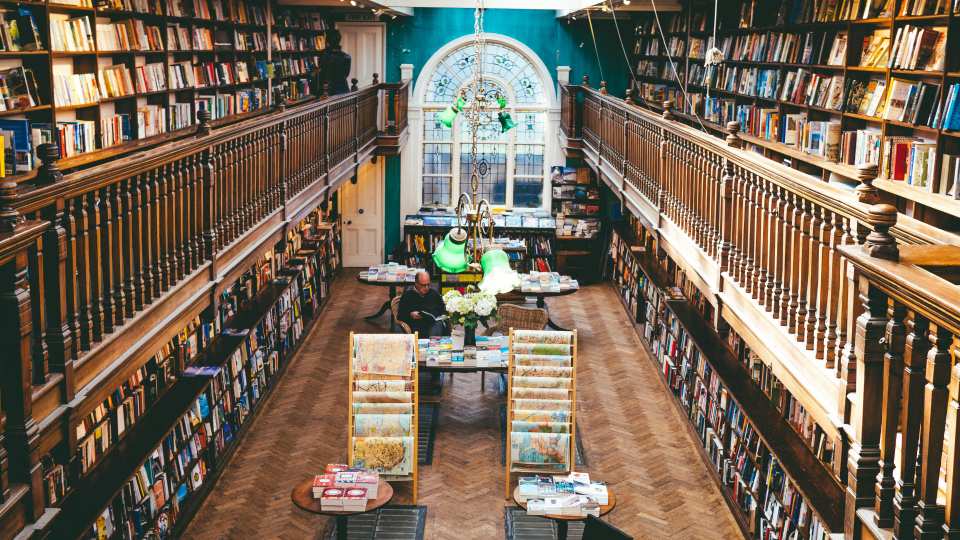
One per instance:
(223,105)
(19,31)
(793,48)
(106,424)
(129,35)
(282,42)
(919,47)
(71,35)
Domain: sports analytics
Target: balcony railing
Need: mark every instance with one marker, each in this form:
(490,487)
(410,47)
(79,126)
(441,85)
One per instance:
(778,251)
(95,265)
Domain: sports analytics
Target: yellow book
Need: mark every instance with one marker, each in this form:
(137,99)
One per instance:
(3,157)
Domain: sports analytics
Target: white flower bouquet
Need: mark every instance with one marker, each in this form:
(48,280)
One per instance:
(470,308)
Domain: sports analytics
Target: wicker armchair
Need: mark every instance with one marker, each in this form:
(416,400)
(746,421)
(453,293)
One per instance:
(519,317)
(395,310)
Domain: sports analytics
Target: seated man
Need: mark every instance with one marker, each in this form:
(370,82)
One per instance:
(421,305)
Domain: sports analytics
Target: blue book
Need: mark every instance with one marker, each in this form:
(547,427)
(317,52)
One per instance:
(23,154)
(951,106)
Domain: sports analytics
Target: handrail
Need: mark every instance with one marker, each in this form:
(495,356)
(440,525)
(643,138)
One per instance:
(841,200)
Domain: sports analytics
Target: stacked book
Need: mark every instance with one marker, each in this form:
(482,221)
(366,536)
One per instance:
(570,495)
(535,282)
(343,489)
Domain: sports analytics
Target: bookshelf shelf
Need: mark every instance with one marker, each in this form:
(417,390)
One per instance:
(25,110)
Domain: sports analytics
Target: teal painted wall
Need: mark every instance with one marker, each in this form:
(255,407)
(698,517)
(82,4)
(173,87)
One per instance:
(413,40)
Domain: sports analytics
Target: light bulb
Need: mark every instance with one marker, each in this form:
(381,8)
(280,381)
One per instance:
(353,3)
(626,2)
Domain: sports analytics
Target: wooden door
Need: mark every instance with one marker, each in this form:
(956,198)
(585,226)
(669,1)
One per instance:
(366,45)
(363,216)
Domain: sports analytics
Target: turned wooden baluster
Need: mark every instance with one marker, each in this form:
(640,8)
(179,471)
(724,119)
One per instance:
(221,186)
(770,245)
(804,268)
(208,203)
(184,240)
(84,317)
(821,291)
(124,248)
(813,284)
(146,210)
(158,272)
(39,353)
(915,352)
(835,236)
(890,412)
(951,527)
(117,253)
(863,464)
(135,218)
(736,253)
(785,234)
(930,515)
(233,192)
(760,241)
(196,208)
(107,260)
(750,241)
(796,269)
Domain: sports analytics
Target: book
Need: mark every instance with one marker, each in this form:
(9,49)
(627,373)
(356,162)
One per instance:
(18,131)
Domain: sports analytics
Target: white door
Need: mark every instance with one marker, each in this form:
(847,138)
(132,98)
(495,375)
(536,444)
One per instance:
(365,43)
(362,205)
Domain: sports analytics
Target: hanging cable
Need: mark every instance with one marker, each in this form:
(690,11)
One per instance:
(596,51)
(633,75)
(676,76)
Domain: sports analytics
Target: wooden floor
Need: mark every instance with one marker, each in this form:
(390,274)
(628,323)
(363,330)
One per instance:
(632,436)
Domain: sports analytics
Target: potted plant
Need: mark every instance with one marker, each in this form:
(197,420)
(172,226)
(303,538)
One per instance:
(469,309)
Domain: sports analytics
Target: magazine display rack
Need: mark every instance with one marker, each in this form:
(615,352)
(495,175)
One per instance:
(382,406)
(541,403)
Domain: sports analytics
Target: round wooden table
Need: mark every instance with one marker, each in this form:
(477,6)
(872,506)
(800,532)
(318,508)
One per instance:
(392,293)
(302,496)
(562,521)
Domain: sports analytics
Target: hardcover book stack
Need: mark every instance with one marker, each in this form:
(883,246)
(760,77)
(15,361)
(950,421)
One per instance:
(541,394)
(382,427)
(344,489)
(562,495)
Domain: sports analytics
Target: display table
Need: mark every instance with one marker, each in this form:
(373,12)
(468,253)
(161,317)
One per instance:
(562,521)
(542,302)
(302,496)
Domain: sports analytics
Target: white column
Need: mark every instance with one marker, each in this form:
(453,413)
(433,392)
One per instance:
(410,175)
(406,72)
(563,75)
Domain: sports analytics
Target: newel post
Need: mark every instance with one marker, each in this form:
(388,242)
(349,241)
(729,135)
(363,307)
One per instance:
(21,463)
(866,191)
(10,218)
(203,122)
(733,135)
(668,110)
(863,462)
(879,242)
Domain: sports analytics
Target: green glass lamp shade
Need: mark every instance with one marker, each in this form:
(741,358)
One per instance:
(506,122)
(450,254)
(448,115)
(501,101)
(498,277)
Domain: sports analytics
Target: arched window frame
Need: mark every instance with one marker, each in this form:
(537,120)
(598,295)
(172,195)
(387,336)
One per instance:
(424,106)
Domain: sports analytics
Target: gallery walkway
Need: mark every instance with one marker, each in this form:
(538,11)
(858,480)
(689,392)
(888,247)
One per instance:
(633,437)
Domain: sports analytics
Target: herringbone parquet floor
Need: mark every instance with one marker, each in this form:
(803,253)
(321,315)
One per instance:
(632,435)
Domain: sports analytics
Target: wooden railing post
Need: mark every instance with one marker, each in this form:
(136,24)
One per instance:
(21,432)
(890,414)
(930,515)
(866,191)
(952,509)
(203,122)
(863,463)
(208,213)
(915,352)
(281,161)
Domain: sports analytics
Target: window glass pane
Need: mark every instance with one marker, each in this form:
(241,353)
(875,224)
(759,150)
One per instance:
(493,171)
(528,192)
(436,158)
(436,190)
(456,69)
(489,129)
(433,130)
(528,160)
(529,127)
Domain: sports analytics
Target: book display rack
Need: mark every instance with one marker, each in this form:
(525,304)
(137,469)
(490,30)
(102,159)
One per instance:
(767,471)
(98,78)
(576,206)
(824,87)
(542,403)
(383,406)
(163,437)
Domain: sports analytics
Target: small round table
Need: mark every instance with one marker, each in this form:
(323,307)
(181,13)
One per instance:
(562,521)
(302,496)
(392,293)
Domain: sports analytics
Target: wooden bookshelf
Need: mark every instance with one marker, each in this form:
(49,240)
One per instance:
(232,33)
(657,84)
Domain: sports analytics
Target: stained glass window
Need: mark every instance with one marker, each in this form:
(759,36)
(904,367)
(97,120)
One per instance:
(512,162)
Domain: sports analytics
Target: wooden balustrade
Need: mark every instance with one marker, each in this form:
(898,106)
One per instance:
(101,249)
(774,245)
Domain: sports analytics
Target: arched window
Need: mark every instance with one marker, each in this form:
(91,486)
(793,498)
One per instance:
(515,160)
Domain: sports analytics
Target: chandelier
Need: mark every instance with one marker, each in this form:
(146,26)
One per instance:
(474,218)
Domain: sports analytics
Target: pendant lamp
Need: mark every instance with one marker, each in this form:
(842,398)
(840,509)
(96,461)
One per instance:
(498,277)
(448,115)
(506,122)
(450,254)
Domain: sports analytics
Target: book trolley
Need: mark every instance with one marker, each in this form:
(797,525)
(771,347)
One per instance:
(542,403)
(382,404)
